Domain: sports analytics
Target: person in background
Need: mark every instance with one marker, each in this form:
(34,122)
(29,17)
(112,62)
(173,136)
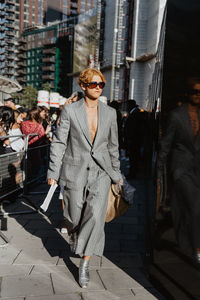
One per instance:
(132,137)
(32,126)
(75,96)
(44,116)
(23,113)
(9,127)
(85,149)
(181,144)
(17,117)
(10,102)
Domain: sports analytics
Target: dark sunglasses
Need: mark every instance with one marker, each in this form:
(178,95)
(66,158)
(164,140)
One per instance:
(93,84)
(194,92)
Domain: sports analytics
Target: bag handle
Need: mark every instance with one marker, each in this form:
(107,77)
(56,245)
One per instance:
(116,189)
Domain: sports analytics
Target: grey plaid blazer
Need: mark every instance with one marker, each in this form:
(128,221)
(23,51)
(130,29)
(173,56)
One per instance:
(72,150)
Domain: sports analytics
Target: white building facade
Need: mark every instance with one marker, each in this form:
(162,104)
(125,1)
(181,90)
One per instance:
(147,51)
(133,50)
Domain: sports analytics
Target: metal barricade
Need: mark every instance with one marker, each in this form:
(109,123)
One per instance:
(20,169)
(11,173)
(16,173)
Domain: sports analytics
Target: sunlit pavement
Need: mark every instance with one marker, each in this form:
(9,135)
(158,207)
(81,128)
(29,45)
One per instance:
(37,262)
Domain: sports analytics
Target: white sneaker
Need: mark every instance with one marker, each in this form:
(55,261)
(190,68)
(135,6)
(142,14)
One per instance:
(63,230)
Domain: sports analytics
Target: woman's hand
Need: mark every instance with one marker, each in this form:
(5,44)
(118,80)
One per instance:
(68,101)
(120,182)
(48,129)
(51,181)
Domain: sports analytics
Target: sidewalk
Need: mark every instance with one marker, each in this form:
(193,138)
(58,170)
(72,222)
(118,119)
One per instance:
(37,263)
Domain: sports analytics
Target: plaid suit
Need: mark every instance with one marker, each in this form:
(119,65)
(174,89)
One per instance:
(86,171)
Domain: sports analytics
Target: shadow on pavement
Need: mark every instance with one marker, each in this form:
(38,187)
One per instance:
(44,226)
(128,238)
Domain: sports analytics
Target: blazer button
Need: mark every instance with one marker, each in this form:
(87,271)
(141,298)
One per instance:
(92,152)
(88,168)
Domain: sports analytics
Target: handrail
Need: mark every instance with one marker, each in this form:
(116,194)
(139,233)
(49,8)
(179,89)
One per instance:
(3,137)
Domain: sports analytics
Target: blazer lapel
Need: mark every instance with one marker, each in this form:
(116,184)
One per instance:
(101,116)
(81,116)
(186,122)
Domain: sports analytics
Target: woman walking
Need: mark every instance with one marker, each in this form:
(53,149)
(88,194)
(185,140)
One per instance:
(86,145)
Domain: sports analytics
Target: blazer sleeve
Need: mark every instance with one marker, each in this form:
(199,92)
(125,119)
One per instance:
(59,145)
(113,145)
(166,142)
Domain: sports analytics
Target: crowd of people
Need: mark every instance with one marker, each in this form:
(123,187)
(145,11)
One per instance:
(39,123)
(85,141)
(16,120)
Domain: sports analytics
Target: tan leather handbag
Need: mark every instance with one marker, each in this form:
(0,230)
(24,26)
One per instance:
(116,203)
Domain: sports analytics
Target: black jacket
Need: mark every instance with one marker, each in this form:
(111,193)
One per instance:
(179,140)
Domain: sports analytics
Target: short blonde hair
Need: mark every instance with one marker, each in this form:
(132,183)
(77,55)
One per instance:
(87,74)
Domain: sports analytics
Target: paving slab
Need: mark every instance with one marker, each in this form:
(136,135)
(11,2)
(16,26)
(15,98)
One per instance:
(8,254)
(61,243)
(49,269)
(17,222)
(67,283)
(150,294)
(33,285)
(122,261)
(117,280)
(108,295)
(108,263)
(75,296)
(28,217)
(41,223)
(37,256)
(20,232)
(142,294)
(38,265)
(12,298)
(27,243)
(53,233)
(10,270)
(138,275)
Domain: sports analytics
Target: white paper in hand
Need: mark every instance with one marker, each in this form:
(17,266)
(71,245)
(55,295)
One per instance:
(48,198)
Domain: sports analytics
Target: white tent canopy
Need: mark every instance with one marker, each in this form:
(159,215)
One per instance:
(8,85)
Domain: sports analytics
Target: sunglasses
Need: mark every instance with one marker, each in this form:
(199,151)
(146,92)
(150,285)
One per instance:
(194,92)
(93,84)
